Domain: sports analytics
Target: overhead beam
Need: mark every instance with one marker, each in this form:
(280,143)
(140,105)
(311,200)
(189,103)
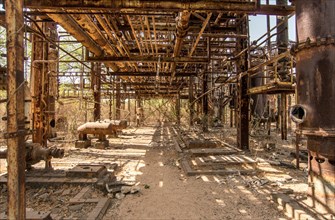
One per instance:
(174,84)
(161,74)
(107,59)
(172,5)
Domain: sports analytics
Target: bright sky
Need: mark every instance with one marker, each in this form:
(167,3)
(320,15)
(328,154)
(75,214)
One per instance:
(258,27)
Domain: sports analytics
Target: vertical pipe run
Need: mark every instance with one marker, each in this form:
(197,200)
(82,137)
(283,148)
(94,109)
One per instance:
(316,92)
(16,208)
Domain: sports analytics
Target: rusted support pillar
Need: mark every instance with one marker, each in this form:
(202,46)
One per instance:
(242,114)
(110,105)
(205,103)
(269,118)
(242,122)
(118,99)
(44,85)
(96,87)
(232,104)
(316,94)
(283,116)
(191,99)
(52,93)
(16,203)
(178,108)
(289,121)
(282,43)
(36,87)
(139,111)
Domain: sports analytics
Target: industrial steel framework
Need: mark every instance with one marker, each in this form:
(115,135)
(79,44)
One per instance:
(150,49)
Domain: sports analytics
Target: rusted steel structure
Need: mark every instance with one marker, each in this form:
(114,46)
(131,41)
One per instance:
(35,153)
(16,206)
(100,129)
(242,117)
(142,50)
(315,54)
(96,87)
(44,88)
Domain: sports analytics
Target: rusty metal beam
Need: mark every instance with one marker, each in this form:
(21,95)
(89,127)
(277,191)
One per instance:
(205,103)
(283,116)
(212,5)
(178,108)
(75,30)
(107,59)
(94,32)
(194,46)
(96,87)
(144,74)
(118,99)
(191,99)
(242,113)
(182,26)
(43,85)
(16,201)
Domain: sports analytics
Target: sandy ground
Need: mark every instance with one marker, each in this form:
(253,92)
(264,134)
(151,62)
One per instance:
(147,157)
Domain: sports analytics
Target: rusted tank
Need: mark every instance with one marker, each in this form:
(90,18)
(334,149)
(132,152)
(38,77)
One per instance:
(100,129)
(107,127)
(315,55)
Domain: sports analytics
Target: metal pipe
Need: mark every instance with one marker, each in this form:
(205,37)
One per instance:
(35,153)
(181,32)
(316,92)
(94,32)
(75,30)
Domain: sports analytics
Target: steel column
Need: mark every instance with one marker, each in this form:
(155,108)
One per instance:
(96,87)
(16,207)
(283,116)
(205,103)
(118,98)
(316,94)
(178,108)
(191,99)
(242,113)
(44,85)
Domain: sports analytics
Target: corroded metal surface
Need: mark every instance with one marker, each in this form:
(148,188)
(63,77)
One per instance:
(316,94)
(35,153)
(102,127)
(16,208)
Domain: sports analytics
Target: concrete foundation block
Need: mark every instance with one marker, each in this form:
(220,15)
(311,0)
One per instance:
(98,144)
(83,143)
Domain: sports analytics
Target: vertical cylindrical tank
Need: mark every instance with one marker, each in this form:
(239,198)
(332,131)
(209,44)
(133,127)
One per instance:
(316,94)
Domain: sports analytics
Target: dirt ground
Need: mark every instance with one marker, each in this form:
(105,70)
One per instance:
(147,158)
